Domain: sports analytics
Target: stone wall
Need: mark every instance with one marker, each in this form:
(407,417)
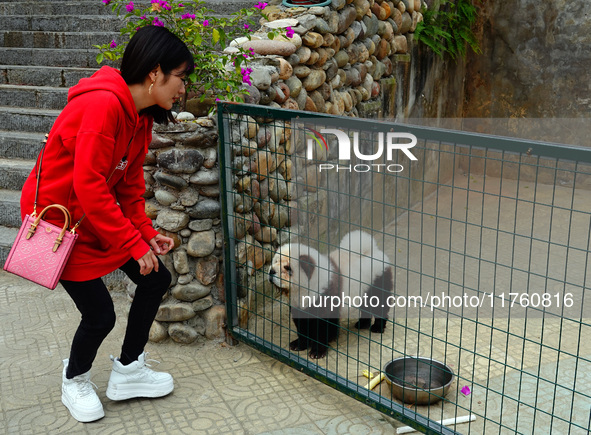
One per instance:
(341,59)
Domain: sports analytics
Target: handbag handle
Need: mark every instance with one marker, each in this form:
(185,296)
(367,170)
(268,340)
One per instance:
(67,219)
(39,174)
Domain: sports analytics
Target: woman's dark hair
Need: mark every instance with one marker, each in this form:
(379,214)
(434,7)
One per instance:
(149,47)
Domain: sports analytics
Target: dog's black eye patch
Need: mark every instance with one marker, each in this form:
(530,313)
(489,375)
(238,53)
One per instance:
(307,264)
(287,268)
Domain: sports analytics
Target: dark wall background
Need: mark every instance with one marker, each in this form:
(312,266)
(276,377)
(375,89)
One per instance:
(536,60)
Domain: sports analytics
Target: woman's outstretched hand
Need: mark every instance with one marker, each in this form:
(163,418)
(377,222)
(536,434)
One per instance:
(161,244)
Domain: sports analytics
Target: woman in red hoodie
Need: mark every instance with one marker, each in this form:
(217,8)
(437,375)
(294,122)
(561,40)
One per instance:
(93,165)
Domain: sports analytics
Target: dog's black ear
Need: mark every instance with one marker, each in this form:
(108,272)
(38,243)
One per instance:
(307,264)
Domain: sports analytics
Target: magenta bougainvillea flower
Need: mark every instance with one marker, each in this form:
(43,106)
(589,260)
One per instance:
(113,44)
(261,5)
(106,2)
(246,26)
(188,16)
(206,23)
(246,75)
(129,7)
(465,390)
(289,32)
(162,3)
(157,22)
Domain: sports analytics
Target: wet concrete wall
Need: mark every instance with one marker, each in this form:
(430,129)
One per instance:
(535,62)
(431,87)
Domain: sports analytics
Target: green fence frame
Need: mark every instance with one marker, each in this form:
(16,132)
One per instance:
(473,148)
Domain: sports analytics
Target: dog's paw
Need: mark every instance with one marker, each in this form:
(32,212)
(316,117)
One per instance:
(379,326)
(363,323)
(298,345)
(318,352)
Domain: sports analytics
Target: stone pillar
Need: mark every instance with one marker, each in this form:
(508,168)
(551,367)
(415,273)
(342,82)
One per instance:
(183,198)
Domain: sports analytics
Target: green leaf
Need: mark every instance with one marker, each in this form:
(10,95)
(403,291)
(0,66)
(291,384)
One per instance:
(216,36)
(448,29)
(99,58)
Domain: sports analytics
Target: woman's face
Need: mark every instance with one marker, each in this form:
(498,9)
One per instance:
(169,88)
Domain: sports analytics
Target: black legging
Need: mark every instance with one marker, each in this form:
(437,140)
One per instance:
(98,315)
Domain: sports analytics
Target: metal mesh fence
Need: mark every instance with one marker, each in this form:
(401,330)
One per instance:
(486,243)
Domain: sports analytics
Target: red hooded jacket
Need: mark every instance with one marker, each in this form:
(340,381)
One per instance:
(98,130)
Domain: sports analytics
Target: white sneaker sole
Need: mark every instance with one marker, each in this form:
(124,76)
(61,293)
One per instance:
(130,391)
(83,416)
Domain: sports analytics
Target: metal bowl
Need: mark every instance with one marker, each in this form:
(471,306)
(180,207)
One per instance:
(418,380)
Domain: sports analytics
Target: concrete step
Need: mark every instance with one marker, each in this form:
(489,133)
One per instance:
(227,7)
(80,58)
(20,145)
(83,7)
(63,40)
(14,172)
(40,97)
(10,214)
(43,75)
(7,238)
(66,7)
(62,23)
(29,120)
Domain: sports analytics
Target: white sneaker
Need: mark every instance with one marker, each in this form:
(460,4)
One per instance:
(80,398)
(137,380)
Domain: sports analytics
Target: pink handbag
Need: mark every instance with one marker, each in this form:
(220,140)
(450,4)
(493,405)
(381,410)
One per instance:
(41,249)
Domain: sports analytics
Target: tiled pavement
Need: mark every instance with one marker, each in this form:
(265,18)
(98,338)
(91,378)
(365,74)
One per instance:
(218,389)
